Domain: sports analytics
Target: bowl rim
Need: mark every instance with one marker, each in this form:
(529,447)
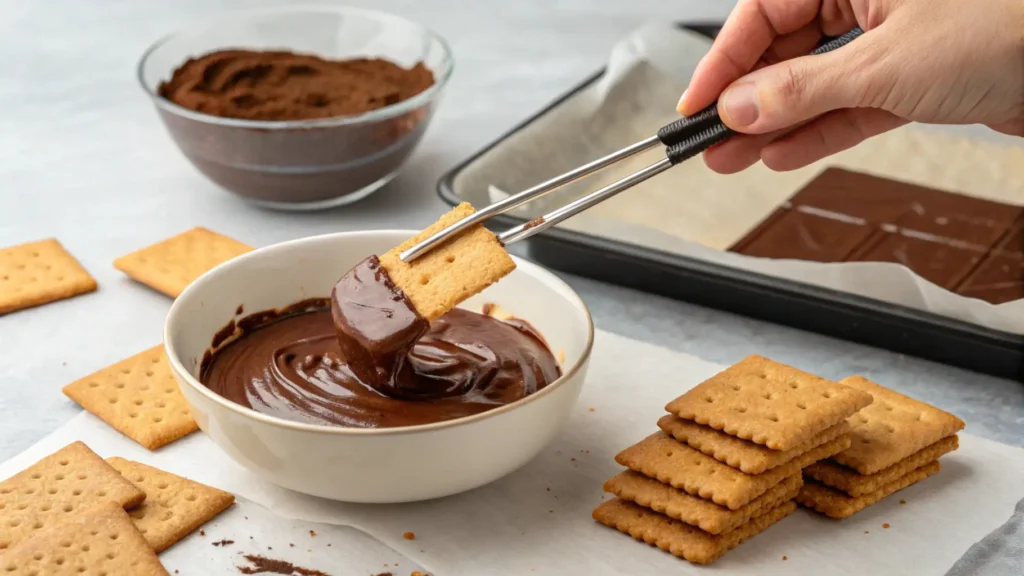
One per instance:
(387,112)
(174,315)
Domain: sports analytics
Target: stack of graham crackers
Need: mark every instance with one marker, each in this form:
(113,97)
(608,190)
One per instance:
(66,514)
(733,452)
(897,441)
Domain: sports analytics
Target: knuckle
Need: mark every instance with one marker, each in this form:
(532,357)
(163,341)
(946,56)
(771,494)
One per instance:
(792,86)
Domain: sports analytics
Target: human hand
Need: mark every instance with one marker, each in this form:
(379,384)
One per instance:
(931,61)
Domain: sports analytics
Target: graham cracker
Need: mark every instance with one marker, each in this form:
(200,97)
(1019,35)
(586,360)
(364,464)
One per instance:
(678,538)
(174,506)
(462,267)
(695,511)
(172,264)
(856,484)
(38,273)
(98,541)
(670,462)
(892,428)
(769,403)
(60,485)
(139,397)
(835,504)
(748,457)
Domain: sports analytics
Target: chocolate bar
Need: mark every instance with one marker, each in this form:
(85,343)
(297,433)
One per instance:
(967,245)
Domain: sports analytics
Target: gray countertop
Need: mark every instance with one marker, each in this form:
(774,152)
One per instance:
(84,158)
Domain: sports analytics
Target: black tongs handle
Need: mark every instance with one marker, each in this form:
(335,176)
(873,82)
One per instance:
(692,135)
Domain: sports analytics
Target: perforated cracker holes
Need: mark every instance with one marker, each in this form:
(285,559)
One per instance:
(59,486)
(139,397)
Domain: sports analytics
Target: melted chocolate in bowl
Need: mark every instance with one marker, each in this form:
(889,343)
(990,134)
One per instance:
(366,359)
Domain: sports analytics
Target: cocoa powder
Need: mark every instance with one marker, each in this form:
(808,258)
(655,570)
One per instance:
(281,85)
(264,565)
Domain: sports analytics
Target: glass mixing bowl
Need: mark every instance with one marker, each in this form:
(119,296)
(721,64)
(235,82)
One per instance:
(302,164)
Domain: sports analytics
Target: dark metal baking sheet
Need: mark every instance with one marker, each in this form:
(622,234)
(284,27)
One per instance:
(830,312)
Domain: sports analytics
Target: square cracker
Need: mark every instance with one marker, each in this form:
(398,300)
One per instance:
(462,267)
(139,397)
(174,506)
(38,273)
(835,504)
(98,541)
(170,265)
(769,403)
(678,538)
(695,511)
(856,484)
(748,457)
(60,485)
(892,428)
(670,462)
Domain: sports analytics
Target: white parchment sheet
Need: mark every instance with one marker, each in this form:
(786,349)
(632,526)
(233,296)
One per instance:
(537,520)
(693,211)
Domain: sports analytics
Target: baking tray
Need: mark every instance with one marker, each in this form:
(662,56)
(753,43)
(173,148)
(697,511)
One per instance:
(825,311)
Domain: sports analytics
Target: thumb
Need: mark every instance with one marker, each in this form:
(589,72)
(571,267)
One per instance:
(794,91)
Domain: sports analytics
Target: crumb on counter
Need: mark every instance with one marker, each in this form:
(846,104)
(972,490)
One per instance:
(312,533)
(886,525)
(785,558)
(409,535)
(903,501)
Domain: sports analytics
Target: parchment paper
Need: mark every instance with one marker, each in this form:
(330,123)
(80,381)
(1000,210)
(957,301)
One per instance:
(693,211)
(537,520)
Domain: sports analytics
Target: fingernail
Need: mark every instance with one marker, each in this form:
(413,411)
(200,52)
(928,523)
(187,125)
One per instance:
(740,105)
(682,101)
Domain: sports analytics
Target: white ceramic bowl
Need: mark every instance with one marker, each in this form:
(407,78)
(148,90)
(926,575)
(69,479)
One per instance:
(372,465)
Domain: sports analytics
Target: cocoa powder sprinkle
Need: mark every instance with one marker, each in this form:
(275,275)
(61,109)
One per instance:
(264,565)
(281,85)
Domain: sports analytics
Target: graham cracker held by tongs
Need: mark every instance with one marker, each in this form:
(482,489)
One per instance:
(684,138)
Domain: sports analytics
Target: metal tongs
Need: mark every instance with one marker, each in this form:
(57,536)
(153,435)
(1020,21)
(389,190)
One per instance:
(684,139)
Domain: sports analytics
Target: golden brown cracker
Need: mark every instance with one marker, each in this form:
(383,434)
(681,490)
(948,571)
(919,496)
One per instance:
(769,403)
(170,265)
(660,457)
(856,484)
(678,538)
(174,506)
(706,515)
(892,428)
(462,267)
(836,504)
(38,273)
(101,540)
(139,397)
(748,457)
(62,484)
